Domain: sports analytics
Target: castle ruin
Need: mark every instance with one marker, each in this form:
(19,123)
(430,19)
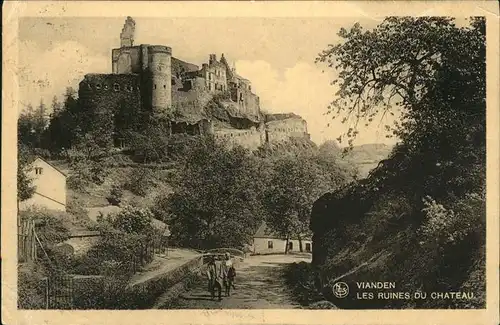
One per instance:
(213,99)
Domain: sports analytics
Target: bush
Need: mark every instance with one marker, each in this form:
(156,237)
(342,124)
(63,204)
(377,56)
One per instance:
(140,181)
(132,220)
(84,170)
(115,195)
(299,277)
(31,294)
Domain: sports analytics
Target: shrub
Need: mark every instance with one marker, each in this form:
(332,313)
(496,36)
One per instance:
(300,278)
(140,180)
(132,220)
(85,170)
(115,195)
(31,294)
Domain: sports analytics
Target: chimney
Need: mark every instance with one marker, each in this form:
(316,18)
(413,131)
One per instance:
(212,59)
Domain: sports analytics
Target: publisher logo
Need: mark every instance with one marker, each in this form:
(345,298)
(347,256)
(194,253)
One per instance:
(340,289)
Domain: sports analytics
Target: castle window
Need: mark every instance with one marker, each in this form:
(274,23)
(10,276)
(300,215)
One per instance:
(116,87)
(155,86)
(38,170)
(165,86)
(98,86)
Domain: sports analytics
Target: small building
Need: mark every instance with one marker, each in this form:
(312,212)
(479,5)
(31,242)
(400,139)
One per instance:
(265,242)
(50,187)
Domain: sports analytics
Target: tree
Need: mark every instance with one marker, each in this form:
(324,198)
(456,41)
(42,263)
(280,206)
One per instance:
(26,127)
(391,67)
(295,183)
(64,126)
(437,171)
(56,107)
(151,142)
(216,200)
(25,188)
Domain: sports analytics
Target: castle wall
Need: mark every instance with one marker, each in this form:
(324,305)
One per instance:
(248,102)
(180,67)
(190,103)
(126,60)
(250,138)
(111,93)
(280,130)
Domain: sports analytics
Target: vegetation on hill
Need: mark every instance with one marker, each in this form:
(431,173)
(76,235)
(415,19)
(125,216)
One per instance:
(419,218)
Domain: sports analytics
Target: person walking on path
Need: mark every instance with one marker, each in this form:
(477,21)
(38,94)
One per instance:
(231,274)
(217,276)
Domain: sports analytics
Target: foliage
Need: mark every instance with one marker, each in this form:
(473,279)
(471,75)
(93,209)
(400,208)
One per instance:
(216,200)
(149,143)
(49,227)
(140,181)
(375,77)
(423,207)
(86,167)
(25,187)
(132,220)
(31,126)
(115,195)
(296,181)
(65,123)
(31,295)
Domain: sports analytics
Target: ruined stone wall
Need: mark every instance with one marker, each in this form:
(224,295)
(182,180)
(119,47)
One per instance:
(105,91)
(283,129)
(180,67)
(250,139)
(189,105)
(117,94)
(127,60)
(248,103)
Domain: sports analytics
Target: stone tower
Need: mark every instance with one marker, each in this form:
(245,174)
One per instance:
(160,72)
(127,34)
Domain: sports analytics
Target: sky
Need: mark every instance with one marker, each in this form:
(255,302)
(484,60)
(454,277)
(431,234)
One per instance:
(276,54)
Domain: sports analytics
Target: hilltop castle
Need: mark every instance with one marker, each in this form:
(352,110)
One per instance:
(212,99)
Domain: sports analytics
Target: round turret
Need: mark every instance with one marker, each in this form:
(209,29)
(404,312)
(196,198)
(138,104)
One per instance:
(160,62)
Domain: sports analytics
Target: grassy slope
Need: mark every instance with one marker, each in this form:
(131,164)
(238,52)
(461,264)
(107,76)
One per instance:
(95,195)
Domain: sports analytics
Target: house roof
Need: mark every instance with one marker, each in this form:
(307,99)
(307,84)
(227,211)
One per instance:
(48,163)
(265,232)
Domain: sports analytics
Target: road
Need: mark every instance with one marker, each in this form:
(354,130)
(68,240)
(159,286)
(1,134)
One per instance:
(259,285)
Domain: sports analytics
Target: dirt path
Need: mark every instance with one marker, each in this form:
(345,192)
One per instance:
(259,285)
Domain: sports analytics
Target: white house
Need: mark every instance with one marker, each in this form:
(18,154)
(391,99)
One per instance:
(50,187)
(264,242)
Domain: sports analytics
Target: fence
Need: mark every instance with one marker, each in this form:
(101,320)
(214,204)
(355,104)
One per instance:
(59,291)
(26,241)
(145,254)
